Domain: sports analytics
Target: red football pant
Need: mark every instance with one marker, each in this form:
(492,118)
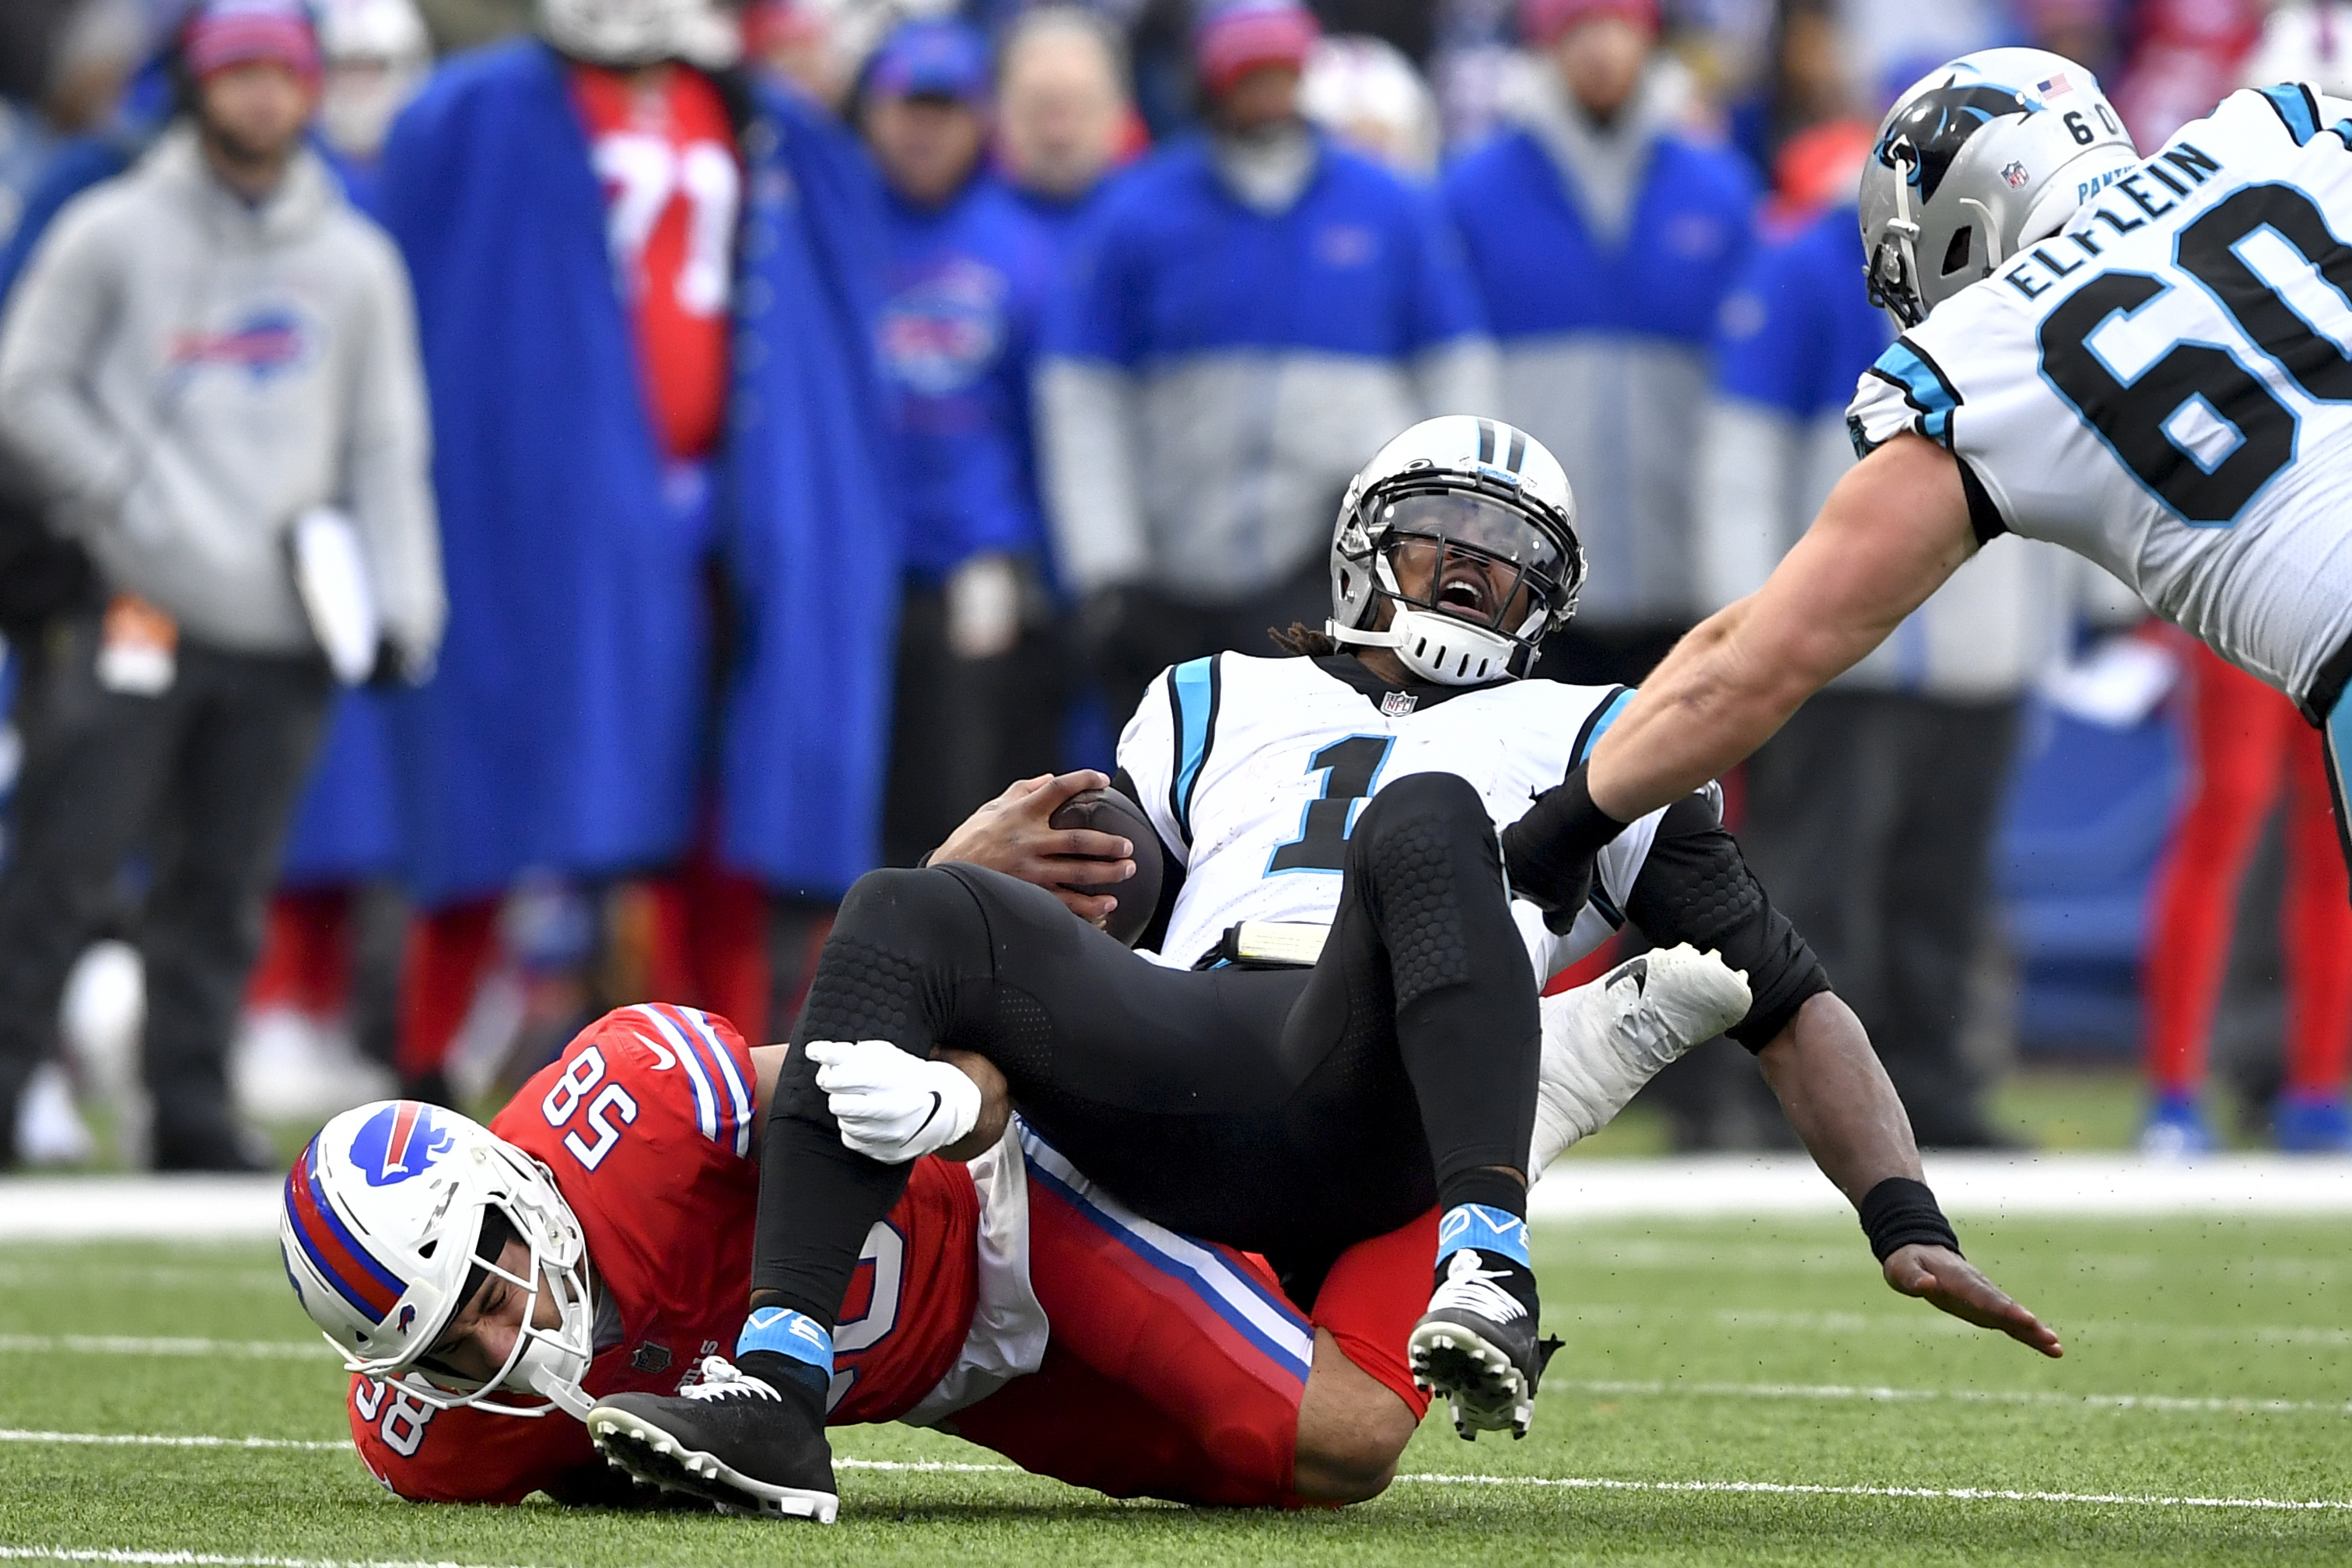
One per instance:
(442,963)
(306,953)
(1176,1368)
(2247,742)
(707,948)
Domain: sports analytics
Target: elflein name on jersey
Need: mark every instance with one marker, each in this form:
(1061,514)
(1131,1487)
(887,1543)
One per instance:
(1254,769)
(2164,386)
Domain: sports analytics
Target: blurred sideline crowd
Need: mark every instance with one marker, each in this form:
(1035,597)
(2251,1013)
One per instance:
(509,506)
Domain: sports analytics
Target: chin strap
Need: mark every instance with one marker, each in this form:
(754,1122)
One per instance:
(566,1394)
(1348,637)
(1903,235)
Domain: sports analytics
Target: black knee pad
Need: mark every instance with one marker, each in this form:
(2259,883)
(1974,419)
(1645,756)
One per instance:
(888,965)
(1422,846)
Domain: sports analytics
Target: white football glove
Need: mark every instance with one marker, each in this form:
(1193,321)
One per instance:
(893,1106)
(1603,1041)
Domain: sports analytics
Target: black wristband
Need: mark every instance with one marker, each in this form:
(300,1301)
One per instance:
(1548,852)
(1899,1212)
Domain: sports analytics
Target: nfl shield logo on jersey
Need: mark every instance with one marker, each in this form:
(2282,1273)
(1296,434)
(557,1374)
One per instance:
(2016,176)
(1397,704)
(400,1141)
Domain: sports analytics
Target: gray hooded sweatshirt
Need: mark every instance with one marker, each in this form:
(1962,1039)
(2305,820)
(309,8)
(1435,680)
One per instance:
(187,372)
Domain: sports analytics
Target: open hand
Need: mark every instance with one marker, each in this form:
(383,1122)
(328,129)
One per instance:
(1014,834)
(1950,1283)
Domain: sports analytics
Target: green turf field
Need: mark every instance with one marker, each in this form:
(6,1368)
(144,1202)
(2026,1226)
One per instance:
(2207,1361)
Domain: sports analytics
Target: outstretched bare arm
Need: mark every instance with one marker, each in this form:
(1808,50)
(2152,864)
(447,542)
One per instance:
(1839,1099)
(1892,531)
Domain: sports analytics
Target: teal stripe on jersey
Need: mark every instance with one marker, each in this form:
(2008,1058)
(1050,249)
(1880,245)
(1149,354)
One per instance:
(1195,686)
(2294,106)
(1599,727)
(1924,385)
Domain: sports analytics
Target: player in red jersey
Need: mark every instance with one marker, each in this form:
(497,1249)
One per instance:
(604,1228)
(1173,1368)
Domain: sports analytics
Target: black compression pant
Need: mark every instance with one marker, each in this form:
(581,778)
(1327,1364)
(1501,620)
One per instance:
(1290,1112)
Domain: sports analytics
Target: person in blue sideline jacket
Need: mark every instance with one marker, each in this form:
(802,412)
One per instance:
(978,698)
(1603,236)
(646,289)
(1254,309)
(1063,115)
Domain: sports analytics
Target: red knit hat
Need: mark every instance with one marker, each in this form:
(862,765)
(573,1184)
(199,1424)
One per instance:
(1541,22)
(224,33)
(1237,39)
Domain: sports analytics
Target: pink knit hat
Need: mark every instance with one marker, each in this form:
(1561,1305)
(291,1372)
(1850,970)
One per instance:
(1235,39)
(225,33)
(1541,22)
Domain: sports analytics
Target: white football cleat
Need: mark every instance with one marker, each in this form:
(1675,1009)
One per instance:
(1603,1041)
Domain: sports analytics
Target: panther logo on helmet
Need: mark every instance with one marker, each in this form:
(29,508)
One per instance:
(1937,123)
(400,1141)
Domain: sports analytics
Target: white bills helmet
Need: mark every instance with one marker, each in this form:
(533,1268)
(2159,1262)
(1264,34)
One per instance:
(1976,161)
(629,33)
(394,1216)
(1458,486)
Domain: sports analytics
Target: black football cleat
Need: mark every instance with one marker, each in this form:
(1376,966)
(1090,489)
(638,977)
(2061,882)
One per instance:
(731,1438)
(1476,1346)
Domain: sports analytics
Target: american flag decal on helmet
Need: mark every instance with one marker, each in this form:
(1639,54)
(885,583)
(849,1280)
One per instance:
(339,1257)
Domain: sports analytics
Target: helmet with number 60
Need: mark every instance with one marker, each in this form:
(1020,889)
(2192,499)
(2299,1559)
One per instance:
(395,1215)
(1977,159)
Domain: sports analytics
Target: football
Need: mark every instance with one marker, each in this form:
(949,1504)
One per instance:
(1110,811)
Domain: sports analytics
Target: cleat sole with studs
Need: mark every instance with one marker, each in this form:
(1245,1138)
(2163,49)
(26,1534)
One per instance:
(1485,1391)
(653,1456)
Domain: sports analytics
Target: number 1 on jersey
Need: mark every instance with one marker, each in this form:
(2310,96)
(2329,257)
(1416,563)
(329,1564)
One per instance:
(1349,768)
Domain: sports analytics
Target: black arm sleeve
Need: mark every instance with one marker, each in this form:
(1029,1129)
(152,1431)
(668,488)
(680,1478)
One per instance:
(1172,877)
(1696,886)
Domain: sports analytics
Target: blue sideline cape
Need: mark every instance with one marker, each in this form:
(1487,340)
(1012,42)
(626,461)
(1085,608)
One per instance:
(563,728)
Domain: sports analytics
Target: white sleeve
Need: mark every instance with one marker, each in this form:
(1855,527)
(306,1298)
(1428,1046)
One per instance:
(1147,754)
(1906,389)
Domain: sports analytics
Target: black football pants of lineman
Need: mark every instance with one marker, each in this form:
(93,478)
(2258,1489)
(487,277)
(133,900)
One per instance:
(1287,1113)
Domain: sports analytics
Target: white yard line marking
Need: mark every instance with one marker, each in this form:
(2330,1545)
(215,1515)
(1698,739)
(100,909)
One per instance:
(1928,1320)
(183,1208)
(1952,1494)
(164,1440)
(16,1276)
(122,1344)
(194,1559)
(2212,1405)
(1435,1479)
(2079,1185)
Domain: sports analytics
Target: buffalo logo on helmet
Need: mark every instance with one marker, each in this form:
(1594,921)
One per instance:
(400,1141)
(407,1316)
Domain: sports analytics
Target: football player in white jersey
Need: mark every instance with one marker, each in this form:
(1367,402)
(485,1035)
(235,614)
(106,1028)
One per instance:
(1347,799)
(2142,359)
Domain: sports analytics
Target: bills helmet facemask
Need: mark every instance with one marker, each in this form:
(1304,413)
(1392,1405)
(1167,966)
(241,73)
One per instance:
(395,1217)
(1977,159)
(632,33)
(1466,490)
